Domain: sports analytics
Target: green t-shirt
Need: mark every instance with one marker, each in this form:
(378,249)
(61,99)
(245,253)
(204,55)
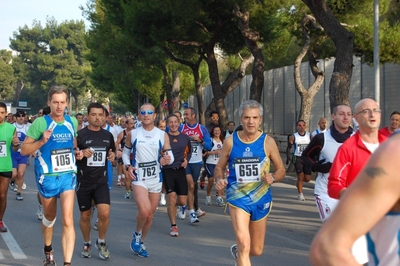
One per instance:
(6,135)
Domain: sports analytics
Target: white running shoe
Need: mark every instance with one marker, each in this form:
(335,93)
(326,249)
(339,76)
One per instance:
(163,202)
(39,213)
(208,200)
(301,197)
(200,213)
(181,213)
(220,202)
(193,218)
(24,186)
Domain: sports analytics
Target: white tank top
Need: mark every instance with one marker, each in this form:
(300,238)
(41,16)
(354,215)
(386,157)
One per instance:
(328,153)
(300,143)
(214,158)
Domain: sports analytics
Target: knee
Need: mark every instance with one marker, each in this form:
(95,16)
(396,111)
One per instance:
(104,215)
(256,251)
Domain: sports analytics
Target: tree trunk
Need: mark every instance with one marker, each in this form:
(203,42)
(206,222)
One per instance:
(176,86)
(307,95)
(18,89)
(251,38)
(339,86)
(168,88)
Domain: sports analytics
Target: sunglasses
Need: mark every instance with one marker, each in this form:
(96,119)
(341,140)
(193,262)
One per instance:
(149,112)
(21,116)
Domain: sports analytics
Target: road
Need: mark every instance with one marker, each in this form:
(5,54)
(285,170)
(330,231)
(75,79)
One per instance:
(291,227)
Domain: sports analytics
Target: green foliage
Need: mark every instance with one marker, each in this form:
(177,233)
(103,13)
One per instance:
(52,55)
(7,78)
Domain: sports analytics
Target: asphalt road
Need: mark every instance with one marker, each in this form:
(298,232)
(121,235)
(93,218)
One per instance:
(291,227)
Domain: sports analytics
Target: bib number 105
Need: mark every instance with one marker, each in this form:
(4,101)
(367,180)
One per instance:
(63,159)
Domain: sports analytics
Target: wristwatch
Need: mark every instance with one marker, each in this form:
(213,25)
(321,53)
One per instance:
(273,178)
(127,167)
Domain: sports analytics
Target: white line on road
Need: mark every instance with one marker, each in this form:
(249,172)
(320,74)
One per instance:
(13,246)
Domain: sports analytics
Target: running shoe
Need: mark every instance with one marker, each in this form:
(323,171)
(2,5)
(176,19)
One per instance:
(103,250)
(234,252)
(19,197)
(87,250)
(202,183)
(128,195)
(49,259)
(174,231)
(15,188)
(136,242)
(119,182)
(181,212)
(143,252)
(3,228)
(96,224)
(39,213)
(208,200)
(301,197)
(220,202)
(163,202)
(24,186)
(200,213)
(193,218)
(11,185)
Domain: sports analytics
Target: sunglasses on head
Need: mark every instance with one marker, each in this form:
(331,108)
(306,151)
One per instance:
(149,112)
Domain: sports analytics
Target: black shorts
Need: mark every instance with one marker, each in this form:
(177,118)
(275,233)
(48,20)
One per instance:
(301,167)
(6,174)
(86,192)
(119,160)
(174,180)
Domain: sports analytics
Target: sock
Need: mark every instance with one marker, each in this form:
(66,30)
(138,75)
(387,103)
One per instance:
(48,248)
(172,225)
(123,176)
(100,240)
(119,177)
(191,211)
(138,233)
(88,243)
(67,263)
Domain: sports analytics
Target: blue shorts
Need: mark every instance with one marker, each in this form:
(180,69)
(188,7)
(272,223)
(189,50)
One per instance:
(54,185)
(17,159)
(210,169)
(257,212)
(194,170)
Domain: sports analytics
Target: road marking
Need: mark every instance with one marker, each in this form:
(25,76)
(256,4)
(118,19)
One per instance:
(13,246)
(290,240)
(1,256)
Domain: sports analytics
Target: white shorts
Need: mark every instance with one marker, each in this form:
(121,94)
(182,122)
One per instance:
(325,206)
(152,187)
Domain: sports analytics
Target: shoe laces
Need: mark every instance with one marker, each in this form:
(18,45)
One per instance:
(138,238)
(49,256)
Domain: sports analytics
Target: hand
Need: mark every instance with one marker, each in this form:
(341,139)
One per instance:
(166,159)
(321,167)
(87,152)
(46,136)
(130,172)
(119,154)
(111,156)
(184,163)
(269,178)
(78,154)
(221,183)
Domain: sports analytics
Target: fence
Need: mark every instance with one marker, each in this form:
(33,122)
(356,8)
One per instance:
(281,101)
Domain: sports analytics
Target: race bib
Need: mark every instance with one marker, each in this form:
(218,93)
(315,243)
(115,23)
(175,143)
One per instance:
(98,158)
(148,171)
(195,148)
(3,149)
(301,148)
(247,169)
(61,160)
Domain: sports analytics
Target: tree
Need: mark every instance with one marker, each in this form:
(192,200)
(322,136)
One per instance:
(52,55)
(7,78)
(307,95)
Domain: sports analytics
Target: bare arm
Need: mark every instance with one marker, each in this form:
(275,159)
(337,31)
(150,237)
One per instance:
(375,192)
(30,145)
(274,155)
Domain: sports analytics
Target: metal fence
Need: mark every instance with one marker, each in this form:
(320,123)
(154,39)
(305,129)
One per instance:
(281,101)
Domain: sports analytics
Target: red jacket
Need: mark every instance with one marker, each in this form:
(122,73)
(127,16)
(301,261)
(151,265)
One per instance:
(350,159)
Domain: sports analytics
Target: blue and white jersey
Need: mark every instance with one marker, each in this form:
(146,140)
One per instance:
(21,131)
(248,161)
(146,148)
(384,241)
(57,155)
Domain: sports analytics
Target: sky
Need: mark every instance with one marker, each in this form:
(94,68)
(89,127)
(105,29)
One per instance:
(17,13)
